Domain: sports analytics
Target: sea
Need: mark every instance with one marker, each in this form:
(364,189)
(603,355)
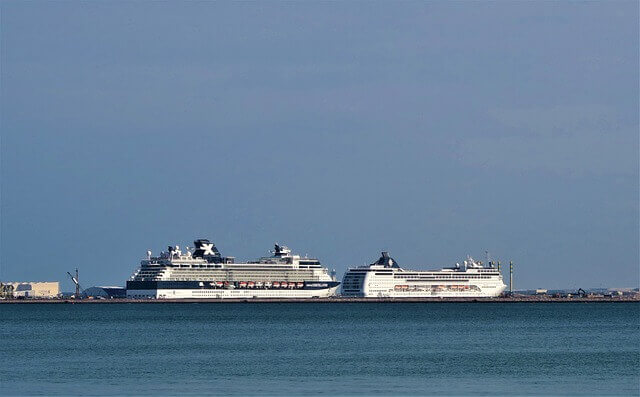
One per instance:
(320,349)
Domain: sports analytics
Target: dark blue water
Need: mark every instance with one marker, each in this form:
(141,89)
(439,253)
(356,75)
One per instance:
(333,349)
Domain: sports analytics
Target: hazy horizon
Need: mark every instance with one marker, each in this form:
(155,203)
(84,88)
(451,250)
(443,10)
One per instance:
(431,130)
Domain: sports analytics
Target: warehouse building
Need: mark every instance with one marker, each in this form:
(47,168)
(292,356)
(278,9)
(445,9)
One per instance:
(35,289)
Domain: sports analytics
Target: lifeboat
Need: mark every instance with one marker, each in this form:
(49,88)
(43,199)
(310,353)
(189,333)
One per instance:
(299,285)
(251,284)
(276,284)
(284,284)
(267,284)
(259,284)
(243,284)
(219,284)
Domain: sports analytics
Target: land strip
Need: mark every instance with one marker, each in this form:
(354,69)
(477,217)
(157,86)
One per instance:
(515,299)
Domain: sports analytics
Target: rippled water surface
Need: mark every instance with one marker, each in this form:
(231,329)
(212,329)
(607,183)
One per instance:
(316,348)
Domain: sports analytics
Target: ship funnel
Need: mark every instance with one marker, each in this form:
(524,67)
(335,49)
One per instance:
(386,261)
(204,248)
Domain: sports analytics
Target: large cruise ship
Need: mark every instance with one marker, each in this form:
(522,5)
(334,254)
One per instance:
(385,278)
(205,273)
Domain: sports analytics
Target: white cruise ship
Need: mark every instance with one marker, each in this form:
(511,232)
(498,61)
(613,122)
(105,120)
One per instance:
(385,278)
(204,273)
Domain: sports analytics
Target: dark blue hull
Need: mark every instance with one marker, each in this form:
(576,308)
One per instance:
(157,285)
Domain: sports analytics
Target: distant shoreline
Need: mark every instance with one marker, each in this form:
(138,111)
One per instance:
(517,299)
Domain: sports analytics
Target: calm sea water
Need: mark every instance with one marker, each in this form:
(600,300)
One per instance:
(332,349)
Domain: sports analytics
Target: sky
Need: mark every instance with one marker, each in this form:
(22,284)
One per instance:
(431,130)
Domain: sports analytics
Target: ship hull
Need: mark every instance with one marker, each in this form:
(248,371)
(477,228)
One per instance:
(204,290)
(485,293)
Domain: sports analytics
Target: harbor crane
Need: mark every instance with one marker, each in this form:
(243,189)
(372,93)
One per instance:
(75,281)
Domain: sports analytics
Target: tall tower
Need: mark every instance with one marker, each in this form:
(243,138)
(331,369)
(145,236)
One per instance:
(510,277)
(77,285)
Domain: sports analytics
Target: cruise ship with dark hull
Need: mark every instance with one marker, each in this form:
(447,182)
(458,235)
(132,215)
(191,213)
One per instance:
(202,272)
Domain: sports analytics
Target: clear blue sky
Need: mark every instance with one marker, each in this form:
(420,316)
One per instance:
(428,129)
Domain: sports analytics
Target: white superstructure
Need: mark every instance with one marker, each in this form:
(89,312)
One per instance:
(385,278)
(204,273)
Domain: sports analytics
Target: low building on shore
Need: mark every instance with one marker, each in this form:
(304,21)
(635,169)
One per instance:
(106,292)
(35,289)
